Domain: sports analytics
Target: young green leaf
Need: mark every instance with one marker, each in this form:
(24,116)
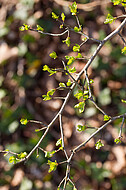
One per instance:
(24,27)
(124,50)
(46,97)
(117,141)
(23,121)
(79,56)
(51,71)
(73,8)
(109,19)
(7,152)
(22,155)
(67,41)
(117,2)
(79,94)
(80,106)
(49,154)
(51,92)
(99,144)
(53,165)
(62,84)
(59,142)
(13,160)
(71,70)
(53,55)
(106,117)
(81,128)
(91,81)
(69,82)
(40,28)
(63,17)
(123,101)
(54,16)
(76,48)
(76,29)
(71,59)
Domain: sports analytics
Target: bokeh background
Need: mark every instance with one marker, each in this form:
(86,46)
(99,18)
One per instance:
(22,83)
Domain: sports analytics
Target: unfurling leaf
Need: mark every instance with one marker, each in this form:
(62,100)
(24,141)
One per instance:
(63,17)
(22,155)
(54,16)
(62,84)
(49,93)
(40,28)
(49,154)
(53,165)
(51,71)
(71,59)
(67,41)
(73,8)
(80,106)
(106,117)
(76,48)
(117,2)
(59,142)
(24,27)
(69,82)
(123,101)
(79,56)
(79,94)
(81,128)
(99,144)
(71,70)
(117,141)
(76,29)
(24,121)
(124,50)
(53,55)
(91,81)
(109,19)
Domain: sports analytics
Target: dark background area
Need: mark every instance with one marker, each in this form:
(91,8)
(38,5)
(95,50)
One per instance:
(23,82)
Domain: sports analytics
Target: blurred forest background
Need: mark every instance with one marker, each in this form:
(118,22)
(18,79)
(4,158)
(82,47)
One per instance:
(22,83)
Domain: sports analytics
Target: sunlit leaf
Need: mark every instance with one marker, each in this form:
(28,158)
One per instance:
(73,8)
(49,154)
(99,144)
(79,56)
(59,142)
(80,106)
(22,155)
(69,82)
(109,19)
(53,165)
(51,71)
(81,128)
(63,17)
(67,41)
(71,70)
(53,55)
(124,50)
(76,48)
(62,84)
(71,59)
(40,28)
(24,121)
(76,29)
(117,141)
(54,16)
(106,117)
(124,101)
